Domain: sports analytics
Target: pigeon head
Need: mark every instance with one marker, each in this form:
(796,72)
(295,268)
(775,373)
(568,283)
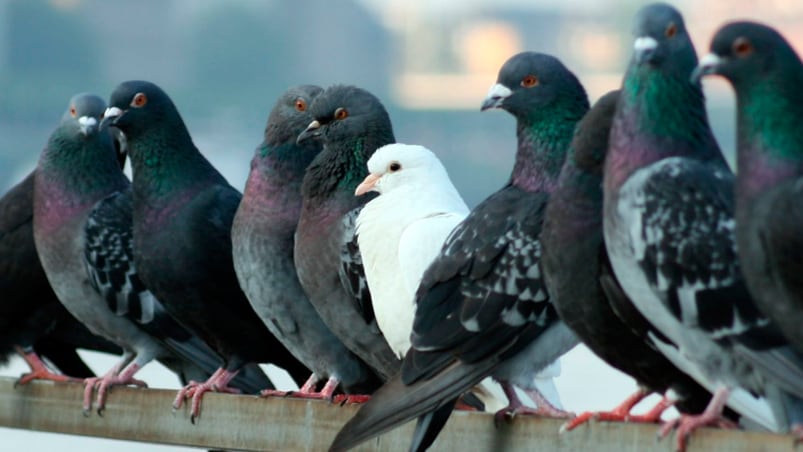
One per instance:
(747,53)
(533,85)
(661,39)
(137,107)
(346,113)
(291,114)
(396,165)
(84,114)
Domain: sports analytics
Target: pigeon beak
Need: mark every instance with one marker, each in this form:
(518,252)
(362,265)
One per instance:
(709,64)
(496,96)
(88,125)
(367,185)
(644,48)
(110,116)
(313,130)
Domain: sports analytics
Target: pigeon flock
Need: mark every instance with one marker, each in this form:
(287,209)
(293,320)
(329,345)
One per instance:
(353,263)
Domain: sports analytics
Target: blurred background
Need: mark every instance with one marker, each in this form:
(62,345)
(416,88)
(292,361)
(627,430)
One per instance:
(224,63)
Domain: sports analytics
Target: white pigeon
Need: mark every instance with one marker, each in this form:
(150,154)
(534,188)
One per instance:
(400,232)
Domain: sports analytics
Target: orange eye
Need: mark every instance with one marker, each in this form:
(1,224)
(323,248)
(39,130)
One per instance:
(341,113)
(742,47)
(73,111)
(139,100)
(301,105)
(529,81)
(671,30)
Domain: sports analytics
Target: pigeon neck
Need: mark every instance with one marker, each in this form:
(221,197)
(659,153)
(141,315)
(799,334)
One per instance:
(274,183)
(339,168)
(770,137)
(541,152)
(165,164)
(73,174)
(658,116)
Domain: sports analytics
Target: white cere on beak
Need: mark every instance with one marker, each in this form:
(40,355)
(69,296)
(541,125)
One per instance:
(644,43)
(87,123)
(111,112)
(498,91)
(710,60)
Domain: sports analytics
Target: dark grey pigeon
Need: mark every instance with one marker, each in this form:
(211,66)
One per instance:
(182,213)
(352,124)
(32,320)
(767,76)
(669,232)
(262,242)
(584,290)
(483,308)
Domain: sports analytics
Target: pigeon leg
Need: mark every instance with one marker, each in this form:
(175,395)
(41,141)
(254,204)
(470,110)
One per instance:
(515,406)
(307,388)
(686,423)
(620,413)
(39,370)
(218,382)
(125,378)
(90,383)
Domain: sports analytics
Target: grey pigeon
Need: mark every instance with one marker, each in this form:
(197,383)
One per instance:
(584,290)
(351,123)
(77,169)
(182,214)
(767,76)
(669,232)
(262,242)
(483,308)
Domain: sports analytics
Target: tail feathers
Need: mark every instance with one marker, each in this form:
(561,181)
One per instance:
(782,365)
(429,425)
(197,352)
(394,403)
(251,379)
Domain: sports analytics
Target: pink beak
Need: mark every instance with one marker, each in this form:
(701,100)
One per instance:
(367,185)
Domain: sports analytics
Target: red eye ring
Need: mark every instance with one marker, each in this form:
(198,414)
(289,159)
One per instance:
(671,30)
(529,81)
(301,105)
(742,47)
(139,100)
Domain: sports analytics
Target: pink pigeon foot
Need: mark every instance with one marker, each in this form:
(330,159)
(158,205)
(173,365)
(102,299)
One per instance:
(515,407)
(686,424)
(622,413)
(218,382)
(307,391)
(797,431)
(39,370)
(104,383)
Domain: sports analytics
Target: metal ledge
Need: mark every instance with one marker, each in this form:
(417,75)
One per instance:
(253,423)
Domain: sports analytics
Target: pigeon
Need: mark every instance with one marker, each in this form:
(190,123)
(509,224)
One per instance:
(401,231)
(669,232)
(482,307)
(262,244)
(351,123)
(766,74)
(182,214)
(32,320)
(77,169)
(584,290)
